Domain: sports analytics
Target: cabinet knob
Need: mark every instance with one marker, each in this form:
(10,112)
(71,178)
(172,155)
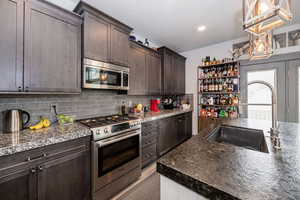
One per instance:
(20,89)
(33,170)
(26,89)
(40,168)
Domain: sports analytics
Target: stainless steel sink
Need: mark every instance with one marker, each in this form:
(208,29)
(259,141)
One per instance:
(243,137)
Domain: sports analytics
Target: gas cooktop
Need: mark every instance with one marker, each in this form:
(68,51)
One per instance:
(106,120)
(107,126)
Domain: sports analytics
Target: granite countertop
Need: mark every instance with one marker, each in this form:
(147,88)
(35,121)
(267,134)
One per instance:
(151,116)
(223,171)
(26,140)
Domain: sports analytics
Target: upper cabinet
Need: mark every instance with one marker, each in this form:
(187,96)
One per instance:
(105,38)
(173,72)
(145,71)
(96,43)
(138,84)
(52,49)
(48,59)
(11,48)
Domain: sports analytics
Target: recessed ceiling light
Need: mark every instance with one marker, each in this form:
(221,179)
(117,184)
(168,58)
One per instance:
(201,28)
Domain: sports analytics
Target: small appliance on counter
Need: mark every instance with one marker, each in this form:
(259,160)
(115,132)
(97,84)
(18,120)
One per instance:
(155,105)
(13,120)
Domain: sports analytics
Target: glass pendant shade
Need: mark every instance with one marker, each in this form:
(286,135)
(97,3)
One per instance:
(261,46)
(260,16)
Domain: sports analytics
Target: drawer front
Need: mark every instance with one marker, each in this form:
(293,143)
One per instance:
(147,141)
(149,155)
(43,154)
(148,126)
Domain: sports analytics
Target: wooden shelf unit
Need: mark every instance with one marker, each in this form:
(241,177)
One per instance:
(200,94)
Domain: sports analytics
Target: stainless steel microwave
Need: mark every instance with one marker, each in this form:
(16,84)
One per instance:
(100,75)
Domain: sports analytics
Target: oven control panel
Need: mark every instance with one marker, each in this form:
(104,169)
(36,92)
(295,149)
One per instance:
(111,130)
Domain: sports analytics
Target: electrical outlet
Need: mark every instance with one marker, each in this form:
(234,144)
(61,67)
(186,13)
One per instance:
(53,108)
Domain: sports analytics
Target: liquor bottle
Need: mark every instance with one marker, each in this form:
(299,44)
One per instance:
(217,85)
(201,86)
(220,85)
(235,85)
(224,71)
(236,72)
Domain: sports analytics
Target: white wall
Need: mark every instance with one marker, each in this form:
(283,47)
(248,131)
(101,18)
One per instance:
(220,51)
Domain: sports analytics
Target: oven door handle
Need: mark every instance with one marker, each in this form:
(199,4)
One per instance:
(110,140)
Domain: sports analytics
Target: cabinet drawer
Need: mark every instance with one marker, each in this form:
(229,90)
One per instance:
(146,141)
(43,154)
(149,155)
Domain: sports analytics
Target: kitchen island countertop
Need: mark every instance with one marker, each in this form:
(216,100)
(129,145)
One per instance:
(223,171)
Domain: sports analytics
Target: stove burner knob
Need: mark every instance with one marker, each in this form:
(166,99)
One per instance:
(106,131)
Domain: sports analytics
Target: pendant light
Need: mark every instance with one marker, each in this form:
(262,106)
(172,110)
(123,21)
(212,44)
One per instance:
(260,16)
(261,46)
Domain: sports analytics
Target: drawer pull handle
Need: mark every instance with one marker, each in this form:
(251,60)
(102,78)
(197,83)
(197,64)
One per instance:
(33,171)
(39,157)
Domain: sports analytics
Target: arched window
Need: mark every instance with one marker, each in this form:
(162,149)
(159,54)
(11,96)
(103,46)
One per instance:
(260,96)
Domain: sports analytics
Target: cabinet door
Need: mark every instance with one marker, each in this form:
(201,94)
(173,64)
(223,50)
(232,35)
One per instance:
(180,74)
(137,80)
(18,184)
(189,125)
(52,49)
(96,38)
(65,178)
(154,74)
(167,138)
(11,48)
(181,128)
(119,46)
(169,83)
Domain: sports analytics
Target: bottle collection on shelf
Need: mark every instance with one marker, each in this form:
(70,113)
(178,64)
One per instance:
(219,85)
(229,112)
(229,70)
(208,62)
(219,100)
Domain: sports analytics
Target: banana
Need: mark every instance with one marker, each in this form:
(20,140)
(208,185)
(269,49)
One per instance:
(46,123)
(43,123)
(38,126)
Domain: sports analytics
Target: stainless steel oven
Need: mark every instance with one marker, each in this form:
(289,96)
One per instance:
(115,162)
(100,75)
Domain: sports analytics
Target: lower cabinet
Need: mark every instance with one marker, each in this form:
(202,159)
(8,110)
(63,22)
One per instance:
(150,131)
(60,171)
(160,136)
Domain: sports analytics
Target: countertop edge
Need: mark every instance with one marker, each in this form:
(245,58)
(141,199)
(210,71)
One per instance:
(189,182)
(19,148)
(165,115)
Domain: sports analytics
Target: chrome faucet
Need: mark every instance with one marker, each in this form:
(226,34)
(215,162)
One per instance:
(274,132)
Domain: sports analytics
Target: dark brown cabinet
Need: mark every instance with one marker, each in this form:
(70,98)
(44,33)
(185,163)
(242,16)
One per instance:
(60,171)
(145,71)
(105,38)
(138,83)
(173,131)
(161,136)
(173,72)
(18,184)
(11,48)
(154,73)
(47,60)
(52,49)
(96,43)
(119,46)
(150,131)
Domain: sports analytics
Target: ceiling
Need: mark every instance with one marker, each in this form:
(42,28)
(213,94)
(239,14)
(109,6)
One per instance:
(174,23)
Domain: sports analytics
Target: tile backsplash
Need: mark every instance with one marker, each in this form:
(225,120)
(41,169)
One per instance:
(87,104)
